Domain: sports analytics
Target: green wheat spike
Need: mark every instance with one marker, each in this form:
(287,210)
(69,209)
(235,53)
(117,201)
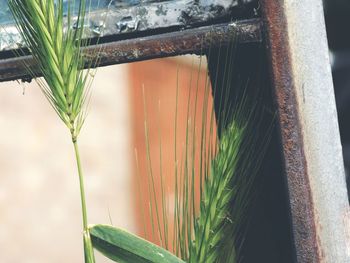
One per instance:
(57,50)
(216,199)
(227,169)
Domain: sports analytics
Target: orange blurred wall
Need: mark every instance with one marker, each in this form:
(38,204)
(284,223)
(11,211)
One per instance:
(161,80)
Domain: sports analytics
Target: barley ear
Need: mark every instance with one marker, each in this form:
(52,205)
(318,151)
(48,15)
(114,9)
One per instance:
(57,50)
(56,45)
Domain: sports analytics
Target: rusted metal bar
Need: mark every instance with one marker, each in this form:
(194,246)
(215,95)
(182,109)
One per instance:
(120,18)
(315,176)
(162,45)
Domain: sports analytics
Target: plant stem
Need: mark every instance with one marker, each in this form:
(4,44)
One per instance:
(81,183)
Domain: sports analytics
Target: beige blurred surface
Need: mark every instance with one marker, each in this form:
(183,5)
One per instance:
(40,216)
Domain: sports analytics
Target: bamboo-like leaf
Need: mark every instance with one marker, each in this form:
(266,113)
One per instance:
(122,246)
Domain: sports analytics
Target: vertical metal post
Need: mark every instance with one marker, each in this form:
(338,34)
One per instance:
(313,160)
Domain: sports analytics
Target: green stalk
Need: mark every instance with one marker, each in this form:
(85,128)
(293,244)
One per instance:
(88,248)
(81,184)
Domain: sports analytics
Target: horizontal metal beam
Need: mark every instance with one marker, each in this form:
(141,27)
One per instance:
(191,41)
(118,19)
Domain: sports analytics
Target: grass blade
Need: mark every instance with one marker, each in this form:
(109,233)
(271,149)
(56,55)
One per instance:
(122,246)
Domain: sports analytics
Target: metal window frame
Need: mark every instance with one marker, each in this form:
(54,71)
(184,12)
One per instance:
(300,71)
(189,41)
(304,92)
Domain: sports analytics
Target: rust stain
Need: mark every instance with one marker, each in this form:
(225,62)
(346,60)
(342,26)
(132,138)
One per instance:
(153,46)
(304,221)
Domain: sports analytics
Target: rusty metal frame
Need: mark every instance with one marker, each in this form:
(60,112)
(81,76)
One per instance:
(162,45)
(295,34)
(301,75)
(120,19)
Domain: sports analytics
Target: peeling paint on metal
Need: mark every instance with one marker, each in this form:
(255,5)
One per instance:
(309,129)
(139,16)
(163,45)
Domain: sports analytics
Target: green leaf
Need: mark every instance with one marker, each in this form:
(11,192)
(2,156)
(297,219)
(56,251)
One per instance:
(122,246)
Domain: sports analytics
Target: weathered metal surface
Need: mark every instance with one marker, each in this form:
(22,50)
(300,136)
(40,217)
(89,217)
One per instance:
(162,45)
(308,121)
(239,72)
(118,18)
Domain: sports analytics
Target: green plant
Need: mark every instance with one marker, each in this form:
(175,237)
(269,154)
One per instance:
(58,53)
(214,176)
(56,43)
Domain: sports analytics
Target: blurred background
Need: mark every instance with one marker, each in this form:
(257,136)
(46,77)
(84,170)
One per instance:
(40,213)
(39,192)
